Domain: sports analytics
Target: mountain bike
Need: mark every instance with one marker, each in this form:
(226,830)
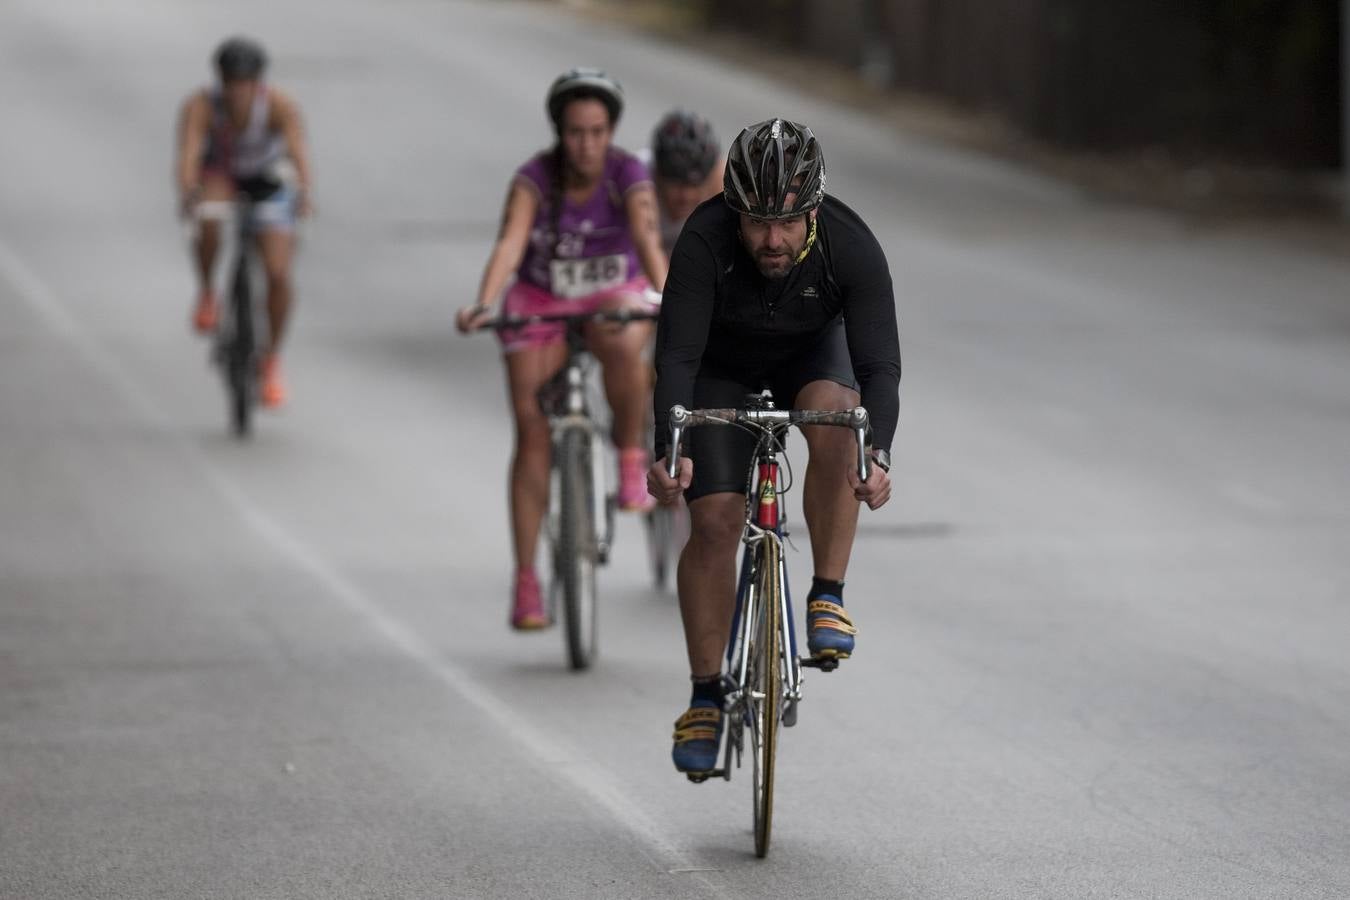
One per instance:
(580,521)
(763,671)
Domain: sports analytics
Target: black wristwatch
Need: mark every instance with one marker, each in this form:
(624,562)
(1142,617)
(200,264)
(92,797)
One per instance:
(883,459)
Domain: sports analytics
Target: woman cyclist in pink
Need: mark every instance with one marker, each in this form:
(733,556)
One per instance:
(579,234)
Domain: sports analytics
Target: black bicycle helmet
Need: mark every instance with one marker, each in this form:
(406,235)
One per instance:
(767,162)
(684,148)
(240,59)
(582,83)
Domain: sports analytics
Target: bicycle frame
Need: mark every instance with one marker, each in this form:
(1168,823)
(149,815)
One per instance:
(566,402)
(764,522)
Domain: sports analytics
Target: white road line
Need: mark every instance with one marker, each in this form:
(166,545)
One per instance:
(551,756)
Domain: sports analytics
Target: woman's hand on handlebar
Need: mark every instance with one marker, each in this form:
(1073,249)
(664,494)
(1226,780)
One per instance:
(665,489)
(875,491)
(471,318)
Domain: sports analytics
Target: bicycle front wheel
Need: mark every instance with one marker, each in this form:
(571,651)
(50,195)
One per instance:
(239,352)
(659,530)
(575,554)
(766,685)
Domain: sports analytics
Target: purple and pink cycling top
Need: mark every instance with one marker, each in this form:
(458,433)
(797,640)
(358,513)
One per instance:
(593,252)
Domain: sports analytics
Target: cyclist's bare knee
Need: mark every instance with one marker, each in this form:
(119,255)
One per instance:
(208,231)
(716,520)
(827,395)
(613,342)
(532,438)
(276,248)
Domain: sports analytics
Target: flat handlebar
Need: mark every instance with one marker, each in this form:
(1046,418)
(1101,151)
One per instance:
(618,316)
(771,420)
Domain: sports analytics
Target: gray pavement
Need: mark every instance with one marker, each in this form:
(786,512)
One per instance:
(1103,622)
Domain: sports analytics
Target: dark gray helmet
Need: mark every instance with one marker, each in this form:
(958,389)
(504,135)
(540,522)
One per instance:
(240,59)
(770,160)
(684,147)
(584,83)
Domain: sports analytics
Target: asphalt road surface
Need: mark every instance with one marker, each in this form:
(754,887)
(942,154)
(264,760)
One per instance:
(1103,623)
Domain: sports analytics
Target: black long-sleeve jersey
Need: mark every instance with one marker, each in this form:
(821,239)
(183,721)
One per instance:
(719,311)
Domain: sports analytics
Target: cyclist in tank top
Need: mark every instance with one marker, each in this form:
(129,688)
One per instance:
(244,135)
(579,234)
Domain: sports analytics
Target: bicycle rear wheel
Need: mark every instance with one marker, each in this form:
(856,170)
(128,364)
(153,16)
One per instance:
(766,686)
(575,554)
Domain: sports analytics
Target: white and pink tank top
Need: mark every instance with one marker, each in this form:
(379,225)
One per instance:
(250,152)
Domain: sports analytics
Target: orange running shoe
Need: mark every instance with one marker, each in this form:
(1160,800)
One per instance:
(207,313)
(273,390)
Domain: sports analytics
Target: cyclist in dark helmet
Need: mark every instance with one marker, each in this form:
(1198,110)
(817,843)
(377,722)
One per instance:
(775,283)
(686,166)
(243,134)
(578,234)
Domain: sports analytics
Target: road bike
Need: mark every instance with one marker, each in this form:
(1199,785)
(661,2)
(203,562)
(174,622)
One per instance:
(581,505)
(763,674)
(238,339)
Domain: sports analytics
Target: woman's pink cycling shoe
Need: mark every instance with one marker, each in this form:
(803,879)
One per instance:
(527,613)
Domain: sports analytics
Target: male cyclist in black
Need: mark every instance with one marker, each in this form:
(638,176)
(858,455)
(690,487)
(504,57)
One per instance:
(776,284)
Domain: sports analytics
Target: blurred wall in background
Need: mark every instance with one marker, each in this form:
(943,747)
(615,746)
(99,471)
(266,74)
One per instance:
(1255,80)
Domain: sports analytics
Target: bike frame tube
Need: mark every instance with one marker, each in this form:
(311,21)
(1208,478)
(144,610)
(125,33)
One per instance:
(742,585)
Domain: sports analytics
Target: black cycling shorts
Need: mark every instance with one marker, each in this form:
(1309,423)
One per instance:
(722,455)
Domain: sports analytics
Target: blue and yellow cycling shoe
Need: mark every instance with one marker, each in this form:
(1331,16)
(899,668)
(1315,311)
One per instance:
(698,735)
(829,630)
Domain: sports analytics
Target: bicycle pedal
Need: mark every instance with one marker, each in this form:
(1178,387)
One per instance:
(700,777)
(823,663)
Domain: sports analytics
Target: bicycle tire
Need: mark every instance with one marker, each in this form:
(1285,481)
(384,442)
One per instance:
(660,528)
(575,551)
(239,357)
(766,688)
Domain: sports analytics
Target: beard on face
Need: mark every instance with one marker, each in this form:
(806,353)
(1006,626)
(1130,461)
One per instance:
(773,267)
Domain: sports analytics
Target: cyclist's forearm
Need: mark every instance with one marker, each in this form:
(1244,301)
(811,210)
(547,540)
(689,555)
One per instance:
(653,259)
(189,173)
(497,273)
(303,172)
(645,230)
(881,398)
(188,164)
(298,150)
(674,384)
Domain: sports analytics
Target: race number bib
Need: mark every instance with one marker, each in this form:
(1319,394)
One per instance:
(573,278)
